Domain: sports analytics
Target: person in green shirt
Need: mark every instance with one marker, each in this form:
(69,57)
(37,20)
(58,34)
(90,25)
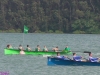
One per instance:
(67,48)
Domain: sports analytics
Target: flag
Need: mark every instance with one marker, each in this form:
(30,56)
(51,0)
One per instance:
(26,29)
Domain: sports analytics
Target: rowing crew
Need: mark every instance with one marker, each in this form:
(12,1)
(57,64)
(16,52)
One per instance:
(36,49)
(79,58)
(56,49)
(45,48)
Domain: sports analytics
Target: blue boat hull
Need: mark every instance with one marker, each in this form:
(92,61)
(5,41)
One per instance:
(51,61)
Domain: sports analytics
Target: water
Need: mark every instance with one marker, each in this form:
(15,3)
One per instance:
(36,65)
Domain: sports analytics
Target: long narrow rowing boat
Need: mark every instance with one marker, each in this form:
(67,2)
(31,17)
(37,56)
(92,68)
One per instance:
(52,61)
(16,51)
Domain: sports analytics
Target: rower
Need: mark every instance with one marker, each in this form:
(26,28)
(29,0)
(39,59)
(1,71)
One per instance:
(9,46)
(38,48)
(67,48)
(62,57)
(55,49)
(45,48)
(93,59)
(20,47)
(58,55)
(76,58)
(28,48)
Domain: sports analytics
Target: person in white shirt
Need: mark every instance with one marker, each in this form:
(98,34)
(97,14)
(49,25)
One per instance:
(93,59)
(76,57)
(62,57)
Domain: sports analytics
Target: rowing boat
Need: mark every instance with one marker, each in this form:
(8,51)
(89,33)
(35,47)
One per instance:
(52,61)
(16,51)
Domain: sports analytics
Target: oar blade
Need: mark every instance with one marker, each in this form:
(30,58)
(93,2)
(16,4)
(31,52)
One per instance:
(86,52)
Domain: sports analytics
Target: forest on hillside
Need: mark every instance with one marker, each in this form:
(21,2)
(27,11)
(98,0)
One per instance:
(61,16)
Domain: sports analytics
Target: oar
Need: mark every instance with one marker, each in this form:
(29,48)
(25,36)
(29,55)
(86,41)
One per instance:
(82,51)
(76,51)
(86,52)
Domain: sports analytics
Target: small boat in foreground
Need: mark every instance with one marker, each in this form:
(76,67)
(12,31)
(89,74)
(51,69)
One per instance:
(52,61)
(16,51)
